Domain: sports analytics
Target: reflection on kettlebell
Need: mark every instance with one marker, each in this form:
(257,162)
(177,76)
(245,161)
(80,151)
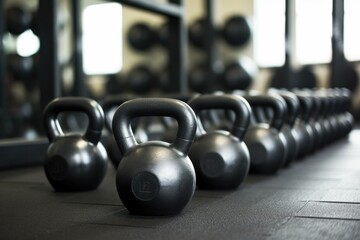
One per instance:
(220,158)
(155,178)
(74,162)
(266,143)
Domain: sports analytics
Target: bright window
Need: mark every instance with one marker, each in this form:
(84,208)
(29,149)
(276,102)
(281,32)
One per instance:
(351,30)
(27,44)
(269,34)
(102,38)
(313,31)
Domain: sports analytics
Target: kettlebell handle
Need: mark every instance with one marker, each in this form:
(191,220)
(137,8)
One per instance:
(237,104)
(305,106)
(293,106)
(79,104)
(143,107)
(185,97)
(276,103)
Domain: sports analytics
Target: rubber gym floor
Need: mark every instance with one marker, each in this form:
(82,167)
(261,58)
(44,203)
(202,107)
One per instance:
(316,198)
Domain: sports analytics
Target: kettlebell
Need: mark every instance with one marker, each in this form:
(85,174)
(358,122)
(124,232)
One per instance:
(314,121)
(108,105)
(74,162)
(313,109)
(302,126)
(155,178)
(221,159)
(348,118)
(323,118)
(291,135)
(266,143)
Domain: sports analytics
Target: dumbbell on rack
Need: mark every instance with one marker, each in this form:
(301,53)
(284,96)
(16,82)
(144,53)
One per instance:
(142,37)
(236,74)
(236,32)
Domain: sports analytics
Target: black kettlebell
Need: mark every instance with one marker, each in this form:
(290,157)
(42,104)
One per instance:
(291,135)
(348,118)
(221,159)
(323,118)
(302,126)
(312,111)
(266,143)
(74,162)
(314,121)
(108,105)
(155,178)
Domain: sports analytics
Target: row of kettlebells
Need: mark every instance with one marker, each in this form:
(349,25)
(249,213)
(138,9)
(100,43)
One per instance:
(260,132)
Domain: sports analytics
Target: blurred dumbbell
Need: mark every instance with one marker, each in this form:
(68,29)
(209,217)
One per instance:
(115,84)
(142,37)
(235,32)
(141,79)
(199,78)
(239,74)
(18,19)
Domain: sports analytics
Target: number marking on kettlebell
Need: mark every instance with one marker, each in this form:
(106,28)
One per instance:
(145,186)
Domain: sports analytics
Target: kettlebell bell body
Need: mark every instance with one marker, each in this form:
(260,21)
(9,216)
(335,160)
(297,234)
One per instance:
(155,178)
(221,159)
(74,162)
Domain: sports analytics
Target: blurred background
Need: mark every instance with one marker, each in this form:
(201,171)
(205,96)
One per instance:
(123,50)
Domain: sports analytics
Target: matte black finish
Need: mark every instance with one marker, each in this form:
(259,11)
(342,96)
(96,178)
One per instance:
(74,162)
(266,143)
(302,127)
(291,135)
(155,178)
(311,111)
(221,159)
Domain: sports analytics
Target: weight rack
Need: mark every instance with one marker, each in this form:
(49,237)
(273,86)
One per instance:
(19,152)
